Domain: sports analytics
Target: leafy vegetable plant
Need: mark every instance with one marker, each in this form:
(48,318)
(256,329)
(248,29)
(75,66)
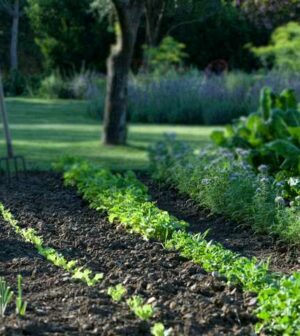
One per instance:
(141,310)
(272,135)
(117,292)
(6,295)
(159,329)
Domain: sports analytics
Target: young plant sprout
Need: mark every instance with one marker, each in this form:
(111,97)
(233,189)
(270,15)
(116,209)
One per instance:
(141,310)
(117,292)
(159,329)
(20,304)
(6,295)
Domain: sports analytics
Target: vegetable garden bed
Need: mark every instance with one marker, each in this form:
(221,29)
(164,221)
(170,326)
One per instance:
(282,257)
(184,296)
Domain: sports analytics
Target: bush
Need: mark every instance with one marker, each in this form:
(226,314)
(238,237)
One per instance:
(54,86)
(284,49)
(15,84)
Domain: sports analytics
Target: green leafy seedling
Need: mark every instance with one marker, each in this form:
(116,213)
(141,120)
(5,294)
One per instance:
(141,310)
(87,276)
(6,295)
(20,304)
(117,292)
(159,329)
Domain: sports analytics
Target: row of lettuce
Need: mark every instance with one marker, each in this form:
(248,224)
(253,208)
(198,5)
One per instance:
(252,176)
(125,199)
(135,303)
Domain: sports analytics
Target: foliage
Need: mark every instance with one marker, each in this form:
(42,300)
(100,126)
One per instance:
(279,308)
(193,98)
(30,236)
(184,98)
(159,329)
(68,34)
(20,304)
(76,86)
(271,137)
(54,86)
(124,198)
(223,181)
(117,292)
(141,310)
(86,275)
(5,296)
(269,13)
(92,182)
(284,49)
(169,53)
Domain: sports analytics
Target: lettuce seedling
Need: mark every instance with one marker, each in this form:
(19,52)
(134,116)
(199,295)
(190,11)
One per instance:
(117,292)
(159,330)
(141,310)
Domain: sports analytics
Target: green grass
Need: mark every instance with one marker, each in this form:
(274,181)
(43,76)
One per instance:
(44,130)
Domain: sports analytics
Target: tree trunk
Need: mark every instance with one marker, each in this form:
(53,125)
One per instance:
(3,113)
(154,12)
(115,115)
(14,36)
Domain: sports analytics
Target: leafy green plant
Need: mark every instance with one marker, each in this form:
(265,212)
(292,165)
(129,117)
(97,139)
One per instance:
(284,48)
(159,329)
(169,53)
(279,307)
(87,276)
(20,304)
(117,292)
(141,310)
(271,134)
(6,295)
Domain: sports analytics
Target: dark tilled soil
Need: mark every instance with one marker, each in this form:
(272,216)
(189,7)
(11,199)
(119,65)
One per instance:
(187,299)
(241,239)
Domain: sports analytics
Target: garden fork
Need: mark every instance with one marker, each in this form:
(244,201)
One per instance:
(13,165)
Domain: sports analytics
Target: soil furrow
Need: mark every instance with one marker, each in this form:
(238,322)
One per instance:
(187,299)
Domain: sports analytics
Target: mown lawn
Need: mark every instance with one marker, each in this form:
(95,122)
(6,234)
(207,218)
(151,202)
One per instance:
(44,130)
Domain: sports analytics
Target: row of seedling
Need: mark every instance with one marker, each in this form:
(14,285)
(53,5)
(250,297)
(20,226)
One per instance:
(135,303)
(126,200)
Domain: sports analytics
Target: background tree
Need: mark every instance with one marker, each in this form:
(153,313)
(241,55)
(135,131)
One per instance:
(128,13)
(69,34)
(15,9)
(270,13)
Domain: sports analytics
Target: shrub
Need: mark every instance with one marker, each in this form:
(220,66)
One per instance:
(284,49)
(54,86)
